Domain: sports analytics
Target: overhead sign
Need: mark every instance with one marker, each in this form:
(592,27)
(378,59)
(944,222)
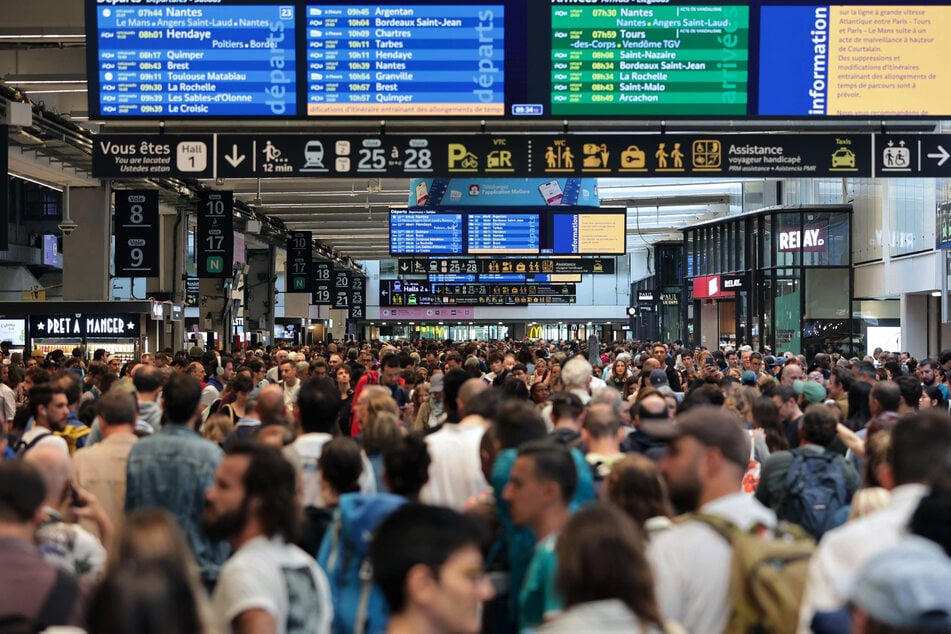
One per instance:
(322,284)
(341,289)
(300,249)
(408,293)
(192,286)
(922,155)
(93,326)
(495,192)
(512,231)
(191,59)
(495,59)
(555,159)
(136,230)
(809,240)
(153,155)
(645,296)
(358,297)
(452,312)
(509,265)
(214,248)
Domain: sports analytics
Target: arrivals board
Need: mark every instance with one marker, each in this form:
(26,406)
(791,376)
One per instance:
(516,231)
(517,59)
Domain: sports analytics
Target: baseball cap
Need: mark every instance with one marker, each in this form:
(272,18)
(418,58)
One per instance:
(436,383)
(778,361)
(906,586)
(813,391)
(195,352)
(711,426)
(748,378)
(658,378)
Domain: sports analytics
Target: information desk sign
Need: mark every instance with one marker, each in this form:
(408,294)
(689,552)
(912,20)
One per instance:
(299,259)
(323,287)
(214,239)
(136,230)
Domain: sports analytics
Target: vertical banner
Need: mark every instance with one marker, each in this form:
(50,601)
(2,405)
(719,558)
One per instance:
(322,284)
(299,259)
(341,294)
(136,228)
(215,237)
(4,190)
(358,297)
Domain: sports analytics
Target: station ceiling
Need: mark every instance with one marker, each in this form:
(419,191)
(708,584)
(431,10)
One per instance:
(42,55)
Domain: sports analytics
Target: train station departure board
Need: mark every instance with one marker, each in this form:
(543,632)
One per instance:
(513,232)
(517,59)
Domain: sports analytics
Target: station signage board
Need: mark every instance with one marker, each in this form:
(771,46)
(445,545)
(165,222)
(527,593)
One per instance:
(85,326)
(507,265)
(299,260)
(214,239)
(322,284)
(554,158)
(136,231)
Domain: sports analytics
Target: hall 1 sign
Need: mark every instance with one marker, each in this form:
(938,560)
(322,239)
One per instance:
(79,326)
(214,240)
(137,233)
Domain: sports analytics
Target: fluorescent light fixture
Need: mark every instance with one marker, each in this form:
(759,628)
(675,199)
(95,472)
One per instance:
(936,294)
(43,79)
(36,182)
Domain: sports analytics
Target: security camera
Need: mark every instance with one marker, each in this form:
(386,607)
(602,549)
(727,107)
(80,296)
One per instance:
(68,226)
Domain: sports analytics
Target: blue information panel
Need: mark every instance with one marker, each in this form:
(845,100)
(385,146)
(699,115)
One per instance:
(503,233)
(518,231)
(406,60)
(193,60)
(425,232)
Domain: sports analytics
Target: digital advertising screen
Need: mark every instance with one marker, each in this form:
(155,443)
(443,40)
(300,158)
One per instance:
(517,59)
(514,232)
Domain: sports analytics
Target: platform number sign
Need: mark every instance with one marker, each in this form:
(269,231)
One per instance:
(137,233)
(214,247)
(299,258)
(323,288)
(341,291)
(358,297)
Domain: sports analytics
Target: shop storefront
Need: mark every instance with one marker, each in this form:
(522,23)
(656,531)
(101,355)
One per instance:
(778,277)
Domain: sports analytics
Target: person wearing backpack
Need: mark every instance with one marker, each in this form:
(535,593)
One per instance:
(704,565)
(810,486)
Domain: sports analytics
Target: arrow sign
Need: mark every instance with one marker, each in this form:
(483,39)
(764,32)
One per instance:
(233,159)
(942,155)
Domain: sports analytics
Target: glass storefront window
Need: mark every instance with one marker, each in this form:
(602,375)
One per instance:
(827,293)
(787,315)
(825,239)
(788,239)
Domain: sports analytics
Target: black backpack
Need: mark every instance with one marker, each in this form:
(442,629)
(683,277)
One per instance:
(815,493)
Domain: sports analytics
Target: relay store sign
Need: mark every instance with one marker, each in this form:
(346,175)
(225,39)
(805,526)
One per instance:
(809,240)
(120,326)
(717,286)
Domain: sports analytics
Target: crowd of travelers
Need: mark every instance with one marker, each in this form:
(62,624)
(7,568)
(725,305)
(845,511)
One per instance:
(507,486)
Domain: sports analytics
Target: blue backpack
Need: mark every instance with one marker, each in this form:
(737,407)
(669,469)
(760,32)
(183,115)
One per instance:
(359,605)
(815,493)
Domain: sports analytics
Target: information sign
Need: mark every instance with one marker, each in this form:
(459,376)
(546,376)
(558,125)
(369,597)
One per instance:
(136,231)
(214,247)
(322,284)
(299,258)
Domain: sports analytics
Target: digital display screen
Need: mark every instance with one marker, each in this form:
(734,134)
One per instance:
(194,59)
(854,60)
(517,60)
(415,60)
(518,231)
(654,60)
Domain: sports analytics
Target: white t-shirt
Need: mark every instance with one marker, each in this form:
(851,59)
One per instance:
(279,578)
(49,438)
(455,470)
(304,453)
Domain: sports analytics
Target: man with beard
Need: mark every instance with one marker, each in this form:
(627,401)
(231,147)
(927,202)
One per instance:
(707,457)
(269,584)
(929,378)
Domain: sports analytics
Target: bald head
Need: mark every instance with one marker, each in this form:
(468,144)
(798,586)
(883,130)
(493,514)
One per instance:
(601,421)
(470,391)
(55,467)
(270,404)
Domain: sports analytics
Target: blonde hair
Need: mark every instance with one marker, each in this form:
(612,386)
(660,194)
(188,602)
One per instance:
(868,500)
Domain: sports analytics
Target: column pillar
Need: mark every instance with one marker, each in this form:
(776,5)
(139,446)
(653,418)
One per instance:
(87,250)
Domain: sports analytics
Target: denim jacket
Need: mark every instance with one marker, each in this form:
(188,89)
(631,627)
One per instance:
(172,469)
